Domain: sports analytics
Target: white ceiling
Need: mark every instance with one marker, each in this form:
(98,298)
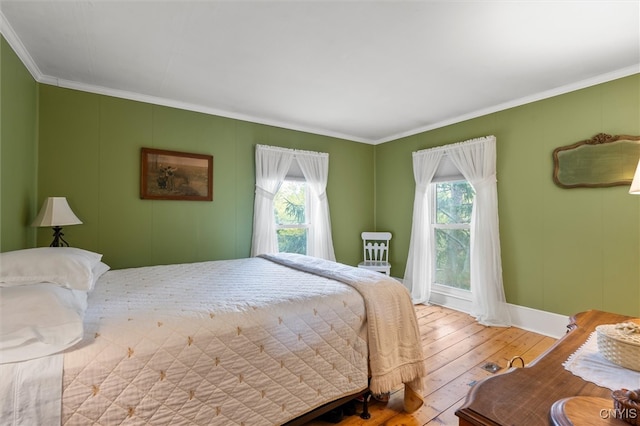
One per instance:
(361,70)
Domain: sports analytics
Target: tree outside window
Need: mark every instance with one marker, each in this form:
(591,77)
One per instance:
(452,233)
(290,206)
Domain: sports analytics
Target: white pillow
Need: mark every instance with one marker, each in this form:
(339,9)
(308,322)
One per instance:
(38,320)
(98,271)
(66,266)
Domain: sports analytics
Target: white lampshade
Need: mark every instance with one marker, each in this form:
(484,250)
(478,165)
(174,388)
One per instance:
(635,184)
(56,212)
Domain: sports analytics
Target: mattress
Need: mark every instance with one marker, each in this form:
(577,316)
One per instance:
(243,341)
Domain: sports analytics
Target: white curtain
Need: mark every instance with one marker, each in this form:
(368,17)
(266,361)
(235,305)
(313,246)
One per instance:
(272,165)
(418,273)
(476,160)
(315,168)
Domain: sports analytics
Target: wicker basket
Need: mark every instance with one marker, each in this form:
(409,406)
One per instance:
(626,407)
(620,343)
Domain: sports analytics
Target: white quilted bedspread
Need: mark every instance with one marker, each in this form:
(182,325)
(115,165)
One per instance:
(246,342)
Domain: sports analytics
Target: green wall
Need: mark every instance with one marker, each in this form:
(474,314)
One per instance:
(563,250)
(89,149)
(18,151)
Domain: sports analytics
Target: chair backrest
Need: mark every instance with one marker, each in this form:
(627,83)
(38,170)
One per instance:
(376,246)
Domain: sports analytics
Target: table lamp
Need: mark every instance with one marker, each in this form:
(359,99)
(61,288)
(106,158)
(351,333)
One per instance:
(55,212)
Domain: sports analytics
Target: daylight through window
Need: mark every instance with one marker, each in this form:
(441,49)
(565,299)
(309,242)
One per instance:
(452,233)
(290,209)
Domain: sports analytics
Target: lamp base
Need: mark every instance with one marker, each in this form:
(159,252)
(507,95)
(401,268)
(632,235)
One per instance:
(58,241)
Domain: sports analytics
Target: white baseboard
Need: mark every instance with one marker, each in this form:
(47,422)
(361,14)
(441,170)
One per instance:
(541,322)
(451,301)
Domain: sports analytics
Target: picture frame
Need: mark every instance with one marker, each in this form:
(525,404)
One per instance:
(174,175)
(602,161)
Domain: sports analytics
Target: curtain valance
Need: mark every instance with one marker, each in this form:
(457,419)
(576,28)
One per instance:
(476,161)
(272,166)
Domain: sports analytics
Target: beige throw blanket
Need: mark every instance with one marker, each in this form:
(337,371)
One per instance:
(395,351)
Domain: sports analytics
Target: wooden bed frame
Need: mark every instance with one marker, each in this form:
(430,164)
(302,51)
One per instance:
(366,395)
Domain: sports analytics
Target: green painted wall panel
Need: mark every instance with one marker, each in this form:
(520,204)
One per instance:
(90,152)
(18,151)
(621,223)
(123,233)
(563,250)
(394,200)
(521,171)
(68,137)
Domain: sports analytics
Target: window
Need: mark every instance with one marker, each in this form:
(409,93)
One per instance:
(290,209)
(452,234)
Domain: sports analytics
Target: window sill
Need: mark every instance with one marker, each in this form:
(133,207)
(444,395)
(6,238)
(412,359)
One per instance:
(453,298)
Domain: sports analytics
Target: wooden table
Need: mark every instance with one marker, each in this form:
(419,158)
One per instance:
(524,396)
(584,411)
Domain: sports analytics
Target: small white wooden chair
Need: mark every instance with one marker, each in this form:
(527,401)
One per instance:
(376,251)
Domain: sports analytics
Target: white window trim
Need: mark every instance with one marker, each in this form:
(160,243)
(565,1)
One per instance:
(306,224)
(450,297)
(441,294)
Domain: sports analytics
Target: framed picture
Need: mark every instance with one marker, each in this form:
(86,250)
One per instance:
(172,175)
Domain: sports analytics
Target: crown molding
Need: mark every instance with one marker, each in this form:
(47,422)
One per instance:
(7,31)
(12,38)
(14,41)
(603,78)
(68,84)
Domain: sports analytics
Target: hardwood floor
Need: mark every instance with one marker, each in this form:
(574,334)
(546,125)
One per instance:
(455,348)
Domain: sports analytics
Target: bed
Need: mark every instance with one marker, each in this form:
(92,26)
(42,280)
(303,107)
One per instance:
(260,340)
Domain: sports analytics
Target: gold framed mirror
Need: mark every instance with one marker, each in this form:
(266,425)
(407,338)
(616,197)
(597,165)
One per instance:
(601,161)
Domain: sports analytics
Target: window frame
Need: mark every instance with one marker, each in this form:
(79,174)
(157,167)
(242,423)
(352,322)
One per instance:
(306,224)
(443,291)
